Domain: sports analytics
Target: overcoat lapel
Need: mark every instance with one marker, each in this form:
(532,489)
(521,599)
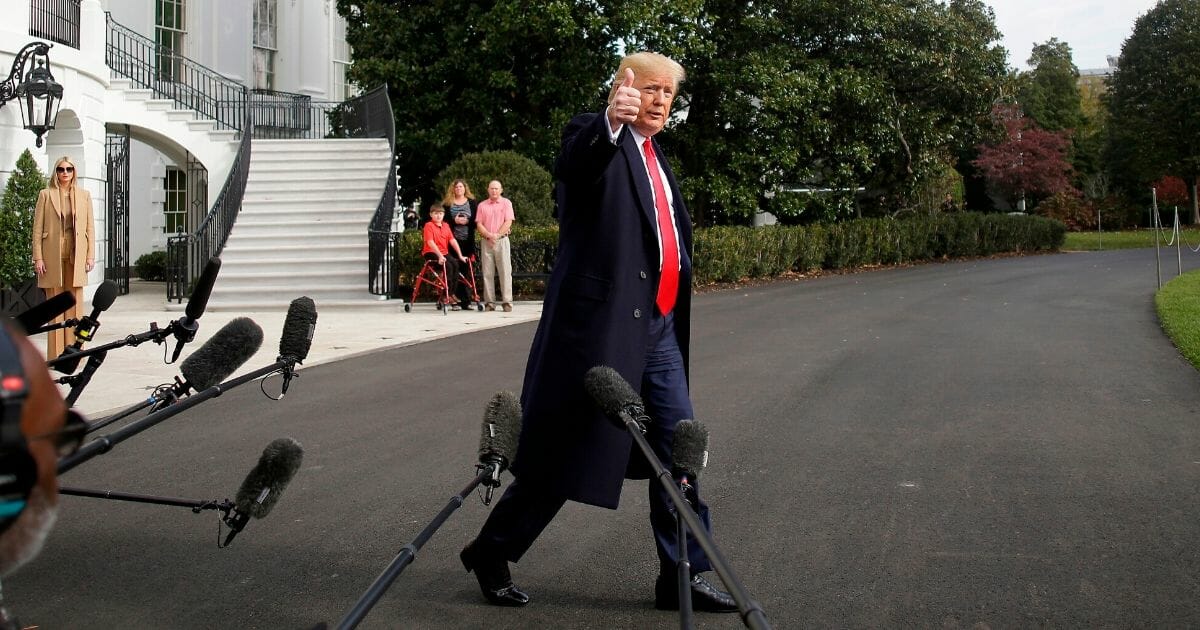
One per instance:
(55,200)
(641,181)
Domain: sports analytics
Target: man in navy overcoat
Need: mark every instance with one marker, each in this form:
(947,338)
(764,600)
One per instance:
(620,296)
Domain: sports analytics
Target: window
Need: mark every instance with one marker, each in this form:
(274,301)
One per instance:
(175,206)
(265,43)
(168,35)
(340,88)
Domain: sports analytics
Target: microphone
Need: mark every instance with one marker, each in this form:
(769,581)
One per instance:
(185,327)
(689,452)
(217,358)
(296,338)
(86,329)
(264,484)
(612,393)
(37,316)
(498,439)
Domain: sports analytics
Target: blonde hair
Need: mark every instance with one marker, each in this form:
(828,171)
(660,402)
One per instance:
(54,171)
(448,200)
(647,63)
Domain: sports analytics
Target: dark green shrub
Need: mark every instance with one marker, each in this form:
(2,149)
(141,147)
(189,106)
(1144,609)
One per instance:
(16,221)
(526,184)
(151,267)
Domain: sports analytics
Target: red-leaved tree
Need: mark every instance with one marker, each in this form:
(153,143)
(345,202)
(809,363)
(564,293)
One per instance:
(1171,191)
(1029,161)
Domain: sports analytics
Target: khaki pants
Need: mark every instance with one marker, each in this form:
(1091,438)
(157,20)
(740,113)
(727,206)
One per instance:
(497,260)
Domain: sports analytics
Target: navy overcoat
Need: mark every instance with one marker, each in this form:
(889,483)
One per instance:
(598,305)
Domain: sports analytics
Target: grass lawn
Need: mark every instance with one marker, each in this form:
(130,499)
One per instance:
(1091,241)
(1178,304)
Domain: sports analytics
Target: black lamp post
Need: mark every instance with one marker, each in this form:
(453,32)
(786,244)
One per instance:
(40,95)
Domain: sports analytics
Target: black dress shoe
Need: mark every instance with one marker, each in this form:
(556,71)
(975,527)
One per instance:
(705,596)
(494,579)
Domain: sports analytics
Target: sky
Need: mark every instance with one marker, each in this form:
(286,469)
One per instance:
(1093,28)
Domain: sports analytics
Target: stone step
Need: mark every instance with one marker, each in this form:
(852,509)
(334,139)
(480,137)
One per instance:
(331,198)
(316,181)
(307,266)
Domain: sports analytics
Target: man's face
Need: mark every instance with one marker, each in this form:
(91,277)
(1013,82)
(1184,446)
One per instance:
(495,190)
(658,92)
(42,418)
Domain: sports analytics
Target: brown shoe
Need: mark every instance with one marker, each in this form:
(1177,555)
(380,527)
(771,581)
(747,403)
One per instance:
(489,307)
(507,308)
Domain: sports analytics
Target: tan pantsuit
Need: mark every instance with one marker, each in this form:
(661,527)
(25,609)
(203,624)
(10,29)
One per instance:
(64,239)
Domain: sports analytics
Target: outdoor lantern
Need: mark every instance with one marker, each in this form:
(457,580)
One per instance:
(39,94)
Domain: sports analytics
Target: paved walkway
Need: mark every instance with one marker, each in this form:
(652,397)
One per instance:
(131,373)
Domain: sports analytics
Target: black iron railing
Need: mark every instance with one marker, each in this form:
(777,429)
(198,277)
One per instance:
(370,116)
(187,254)
(169,74)
(55,20)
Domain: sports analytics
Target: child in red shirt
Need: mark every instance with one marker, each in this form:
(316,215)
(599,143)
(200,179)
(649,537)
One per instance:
(439,240)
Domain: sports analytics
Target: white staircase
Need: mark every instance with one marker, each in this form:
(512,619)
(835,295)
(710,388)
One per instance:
(302,229)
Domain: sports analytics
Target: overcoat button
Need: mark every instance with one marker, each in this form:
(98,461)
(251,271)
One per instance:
(637,313)
(642,274)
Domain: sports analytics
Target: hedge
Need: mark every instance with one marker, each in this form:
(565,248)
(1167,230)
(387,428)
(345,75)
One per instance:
(730,254)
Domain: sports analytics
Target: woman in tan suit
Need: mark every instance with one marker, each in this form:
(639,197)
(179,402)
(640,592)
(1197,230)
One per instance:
(64,244)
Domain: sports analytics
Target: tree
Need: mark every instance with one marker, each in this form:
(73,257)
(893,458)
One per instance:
(16,221)
(1048,92)
(492,75)
(828,94)
(1153,129)
(1030,161)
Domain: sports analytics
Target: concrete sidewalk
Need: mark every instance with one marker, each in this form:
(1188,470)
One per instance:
(129,374)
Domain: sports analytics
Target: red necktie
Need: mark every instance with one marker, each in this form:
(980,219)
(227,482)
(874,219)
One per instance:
(668,283)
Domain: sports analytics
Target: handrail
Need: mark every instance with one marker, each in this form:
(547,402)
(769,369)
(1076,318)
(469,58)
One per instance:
(170,75)
(55,20)
(371,115)
(187,254)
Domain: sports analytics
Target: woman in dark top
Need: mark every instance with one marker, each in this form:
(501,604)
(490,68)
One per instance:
(460,208)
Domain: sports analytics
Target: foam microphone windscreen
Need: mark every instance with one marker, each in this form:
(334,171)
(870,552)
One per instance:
(501,429)
(275,469)
(226,351)
(610,391)
(298,329)
(689,448)
(37,316)
(105,295)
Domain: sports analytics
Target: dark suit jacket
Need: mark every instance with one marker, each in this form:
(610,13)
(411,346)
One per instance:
(599,301)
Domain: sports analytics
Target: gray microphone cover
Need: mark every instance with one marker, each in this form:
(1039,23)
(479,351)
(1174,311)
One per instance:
(610,391)
(275,469)
(226,351)
(501,429)
(689,448)
(298,329)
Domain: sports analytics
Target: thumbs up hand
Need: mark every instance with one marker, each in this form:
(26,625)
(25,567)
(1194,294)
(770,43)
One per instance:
(626,102)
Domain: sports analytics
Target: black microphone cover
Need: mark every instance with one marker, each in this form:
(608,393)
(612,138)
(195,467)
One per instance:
(298,329)
(203,290)
(501,429)
(225,352)
(611,392)
(275,469)
(37,316)
(105,295)
(689,448)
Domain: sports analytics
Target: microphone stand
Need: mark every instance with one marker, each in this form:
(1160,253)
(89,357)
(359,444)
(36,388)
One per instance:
(105,443)
(155,334)
(683,565)
(408,552)
(81,380)
(751,613)
(197,505)
(69,323)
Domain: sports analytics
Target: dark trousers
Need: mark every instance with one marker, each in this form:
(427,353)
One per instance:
(450,277)
(523,511)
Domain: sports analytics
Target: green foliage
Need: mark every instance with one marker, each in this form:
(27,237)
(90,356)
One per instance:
(1048,93)
(152,266)
(1153,129)
(492,75)
(1178,304)
(525,183)
(16,221)
(826,94)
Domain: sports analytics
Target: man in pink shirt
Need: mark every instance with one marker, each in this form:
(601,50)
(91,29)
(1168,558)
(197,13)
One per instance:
(493,219)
